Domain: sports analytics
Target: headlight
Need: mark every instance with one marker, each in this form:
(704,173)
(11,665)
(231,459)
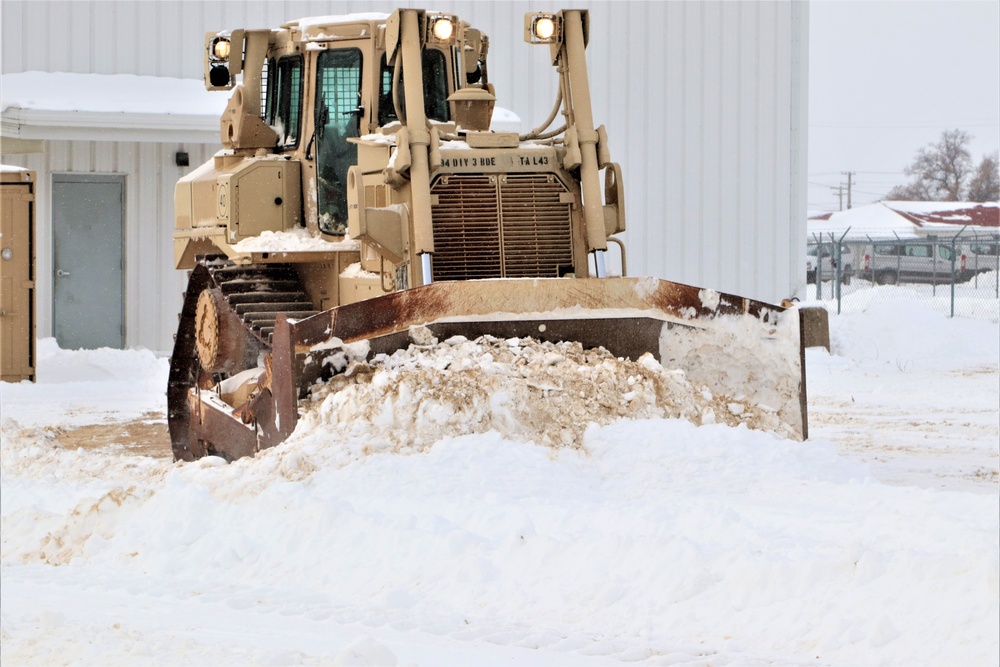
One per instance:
(221,48)
(443,29)
(541,28)
(544,28)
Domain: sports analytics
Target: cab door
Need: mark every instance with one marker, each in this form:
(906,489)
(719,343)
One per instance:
(339,111)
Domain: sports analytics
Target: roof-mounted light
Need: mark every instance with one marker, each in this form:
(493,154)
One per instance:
(441,28)
(541,28)
(220,48)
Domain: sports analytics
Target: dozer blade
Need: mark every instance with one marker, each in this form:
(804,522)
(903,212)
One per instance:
(732,345)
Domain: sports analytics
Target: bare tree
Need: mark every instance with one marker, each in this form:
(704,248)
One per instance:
(939,170)
(985,183)
(916,191)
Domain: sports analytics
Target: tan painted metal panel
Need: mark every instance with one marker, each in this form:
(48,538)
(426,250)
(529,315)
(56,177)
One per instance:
(17,276)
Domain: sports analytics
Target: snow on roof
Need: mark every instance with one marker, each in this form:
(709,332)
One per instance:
(873,220)
(891,219)
(63,105)
(121,93)
(948,213)
(304,24)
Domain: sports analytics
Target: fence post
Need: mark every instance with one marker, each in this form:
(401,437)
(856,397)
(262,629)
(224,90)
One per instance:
(953,276)
(819,251)
(899,258)
(953,273)
(839,274)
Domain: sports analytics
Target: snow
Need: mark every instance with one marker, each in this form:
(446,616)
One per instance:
(308,23)
(872,221)
(883,220)
(109,93)
(959,208)
(651,540)
(295,240)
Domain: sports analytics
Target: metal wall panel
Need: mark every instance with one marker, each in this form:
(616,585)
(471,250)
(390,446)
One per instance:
(704,102)
(152,287)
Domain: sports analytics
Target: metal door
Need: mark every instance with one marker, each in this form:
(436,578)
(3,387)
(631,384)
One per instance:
(88,216)
(338,117)
(17,276)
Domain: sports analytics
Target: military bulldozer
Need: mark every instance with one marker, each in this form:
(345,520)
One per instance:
(361,196)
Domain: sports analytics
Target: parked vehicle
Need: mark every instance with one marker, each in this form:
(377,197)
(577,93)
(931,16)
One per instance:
(916,262)
(820,257)
(983,256)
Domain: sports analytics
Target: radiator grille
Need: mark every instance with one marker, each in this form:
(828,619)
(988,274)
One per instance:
(501,226)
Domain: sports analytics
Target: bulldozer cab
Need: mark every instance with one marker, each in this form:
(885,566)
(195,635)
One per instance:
(327,81)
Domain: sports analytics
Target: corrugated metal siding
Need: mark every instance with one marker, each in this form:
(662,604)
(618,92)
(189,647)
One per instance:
(704,103)
(153,288)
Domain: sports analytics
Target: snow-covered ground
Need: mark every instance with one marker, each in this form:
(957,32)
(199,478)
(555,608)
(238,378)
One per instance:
(652,540)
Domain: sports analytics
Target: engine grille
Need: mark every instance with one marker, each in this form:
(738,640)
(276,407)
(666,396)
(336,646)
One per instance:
(501,226)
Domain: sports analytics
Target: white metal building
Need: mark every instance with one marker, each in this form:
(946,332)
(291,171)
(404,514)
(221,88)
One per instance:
(705,105)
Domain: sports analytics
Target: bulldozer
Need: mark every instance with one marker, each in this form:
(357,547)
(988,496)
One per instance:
(361,196)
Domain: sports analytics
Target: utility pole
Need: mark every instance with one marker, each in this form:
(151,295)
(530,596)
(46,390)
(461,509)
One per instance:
(840,197)
(849,174)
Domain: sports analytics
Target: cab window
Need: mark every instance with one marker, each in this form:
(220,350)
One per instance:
(338,118)
(435,89)
(284,99)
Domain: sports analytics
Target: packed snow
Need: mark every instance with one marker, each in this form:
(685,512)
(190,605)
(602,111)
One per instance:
(109,93)
(656,539)
(295,240)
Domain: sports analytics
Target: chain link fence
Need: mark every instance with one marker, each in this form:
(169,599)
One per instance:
(957,275)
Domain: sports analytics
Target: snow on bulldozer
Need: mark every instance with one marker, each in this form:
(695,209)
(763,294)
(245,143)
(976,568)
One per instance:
(362,205)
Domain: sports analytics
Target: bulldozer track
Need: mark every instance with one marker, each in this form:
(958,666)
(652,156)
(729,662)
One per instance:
(257,294)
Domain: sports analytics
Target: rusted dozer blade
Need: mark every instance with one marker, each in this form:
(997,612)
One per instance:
(737,347)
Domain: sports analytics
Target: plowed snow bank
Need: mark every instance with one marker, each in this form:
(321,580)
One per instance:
(525,389)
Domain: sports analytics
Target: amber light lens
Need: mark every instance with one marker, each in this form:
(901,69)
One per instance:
(220,49)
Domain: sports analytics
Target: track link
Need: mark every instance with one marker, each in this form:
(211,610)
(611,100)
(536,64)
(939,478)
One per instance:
(257,294)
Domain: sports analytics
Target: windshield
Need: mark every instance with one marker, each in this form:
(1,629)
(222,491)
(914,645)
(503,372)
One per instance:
(435,89)
(338,113)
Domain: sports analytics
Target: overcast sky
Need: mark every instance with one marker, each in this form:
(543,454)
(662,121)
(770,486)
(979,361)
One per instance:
(886,78)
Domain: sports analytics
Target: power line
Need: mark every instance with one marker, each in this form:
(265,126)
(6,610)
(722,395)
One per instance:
(901,126)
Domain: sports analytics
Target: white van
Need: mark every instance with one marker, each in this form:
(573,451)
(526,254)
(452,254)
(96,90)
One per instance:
(983,256)
(888,263)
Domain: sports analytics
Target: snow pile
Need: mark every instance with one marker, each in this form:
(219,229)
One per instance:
(919,345)
(525,389)
(88,386)
(295,240)
(647,539)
